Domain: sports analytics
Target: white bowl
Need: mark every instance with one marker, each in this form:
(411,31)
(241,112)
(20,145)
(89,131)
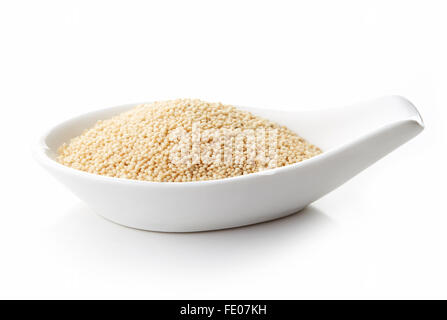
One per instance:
(352,138)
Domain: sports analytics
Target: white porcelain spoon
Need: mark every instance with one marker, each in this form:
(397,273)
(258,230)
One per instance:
(352,139)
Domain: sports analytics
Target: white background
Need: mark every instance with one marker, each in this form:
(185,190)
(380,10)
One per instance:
(382,235)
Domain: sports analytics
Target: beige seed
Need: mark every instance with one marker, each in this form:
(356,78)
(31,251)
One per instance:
(135,144)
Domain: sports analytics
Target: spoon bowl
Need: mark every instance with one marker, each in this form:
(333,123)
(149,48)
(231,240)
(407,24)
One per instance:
(352,138)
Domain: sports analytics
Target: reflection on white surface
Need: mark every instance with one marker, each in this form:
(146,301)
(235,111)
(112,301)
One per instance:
(84,233)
